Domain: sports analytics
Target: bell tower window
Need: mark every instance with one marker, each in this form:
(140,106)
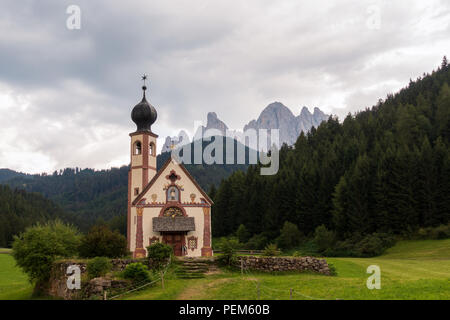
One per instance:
(151,149)
(137,148)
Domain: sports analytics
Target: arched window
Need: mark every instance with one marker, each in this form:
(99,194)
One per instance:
(173,212)
(137,147)
(151,149)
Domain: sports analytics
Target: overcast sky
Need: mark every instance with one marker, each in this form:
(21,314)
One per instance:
(66,95)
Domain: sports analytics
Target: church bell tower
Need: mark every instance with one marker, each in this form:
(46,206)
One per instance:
(142,151)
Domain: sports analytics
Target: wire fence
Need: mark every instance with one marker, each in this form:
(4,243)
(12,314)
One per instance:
(142,284)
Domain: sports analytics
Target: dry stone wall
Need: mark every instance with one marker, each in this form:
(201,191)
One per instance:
(57,286)
(274,264)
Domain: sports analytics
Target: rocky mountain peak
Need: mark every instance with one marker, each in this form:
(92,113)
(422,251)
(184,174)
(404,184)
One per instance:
(275,116)
(215,123)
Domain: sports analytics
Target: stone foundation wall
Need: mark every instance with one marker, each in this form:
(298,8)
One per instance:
(57,286)
(274,264)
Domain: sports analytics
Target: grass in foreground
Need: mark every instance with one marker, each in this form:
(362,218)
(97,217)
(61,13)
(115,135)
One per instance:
(14,284)
(410,270)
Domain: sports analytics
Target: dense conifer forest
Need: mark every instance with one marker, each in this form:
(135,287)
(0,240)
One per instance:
(385,169)
(19,209)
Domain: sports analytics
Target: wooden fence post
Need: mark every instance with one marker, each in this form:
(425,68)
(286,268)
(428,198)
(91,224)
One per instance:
(290,293)
(242,266)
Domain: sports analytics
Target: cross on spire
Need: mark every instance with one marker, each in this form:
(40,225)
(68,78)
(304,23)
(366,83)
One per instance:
(144,87)
(144,77)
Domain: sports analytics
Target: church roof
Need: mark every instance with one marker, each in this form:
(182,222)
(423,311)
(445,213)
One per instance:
(173,224)
(158,174)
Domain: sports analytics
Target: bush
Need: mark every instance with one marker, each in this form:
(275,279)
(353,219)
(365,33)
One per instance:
(137,273)
(257,242)
(98,267)
(374,245)
(323,238)
(271,250)
(290,236)
(39,246)
(102,242)
(296,254)
(436,233)
(159,254)
(357,246)
(441,232)
(229,249)
(333,271)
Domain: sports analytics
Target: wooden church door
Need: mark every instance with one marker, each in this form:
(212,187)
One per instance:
(176,240)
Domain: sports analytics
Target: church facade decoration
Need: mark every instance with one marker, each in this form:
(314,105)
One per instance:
(165,205)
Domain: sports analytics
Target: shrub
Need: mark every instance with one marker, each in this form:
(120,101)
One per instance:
(271,250)
(136,272)
(323,238)
(290,236)
(333,271)
(370,246)
(229,249)
(37,248)
(357,246)
(257,242)
(242,234)
(102,242)
(98,267)
(441,232)
(296,254)
(159,254)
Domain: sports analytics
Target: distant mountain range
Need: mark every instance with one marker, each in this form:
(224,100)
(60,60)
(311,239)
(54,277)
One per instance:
(275,116)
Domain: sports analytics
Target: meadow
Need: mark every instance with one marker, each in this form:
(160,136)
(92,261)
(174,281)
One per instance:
(409,270)
(14,284)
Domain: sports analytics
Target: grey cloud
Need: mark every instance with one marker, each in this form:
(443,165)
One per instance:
(232,58)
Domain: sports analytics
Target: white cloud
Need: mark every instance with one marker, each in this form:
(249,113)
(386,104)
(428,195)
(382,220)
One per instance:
(66,96)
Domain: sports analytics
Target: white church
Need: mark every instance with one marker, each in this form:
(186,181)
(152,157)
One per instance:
(167,205)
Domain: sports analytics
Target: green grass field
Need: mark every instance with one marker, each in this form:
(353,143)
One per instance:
(410,270)
(14,284)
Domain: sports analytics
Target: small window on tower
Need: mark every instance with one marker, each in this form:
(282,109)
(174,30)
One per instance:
(136,191)
(137,147)
(152,149)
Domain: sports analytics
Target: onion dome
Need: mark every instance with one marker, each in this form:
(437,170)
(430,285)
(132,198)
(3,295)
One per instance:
(144,114)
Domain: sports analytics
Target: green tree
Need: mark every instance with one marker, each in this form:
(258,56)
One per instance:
(324,238)
(290,236)
(101,241)
(242,234)
(229,249)
(159,255)
(39,246)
